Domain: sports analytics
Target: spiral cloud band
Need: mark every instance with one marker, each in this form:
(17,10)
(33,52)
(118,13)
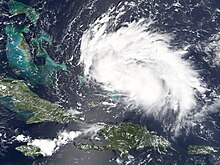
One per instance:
(140,64)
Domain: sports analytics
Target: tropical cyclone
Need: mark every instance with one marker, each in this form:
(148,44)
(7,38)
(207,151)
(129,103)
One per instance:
(140,64)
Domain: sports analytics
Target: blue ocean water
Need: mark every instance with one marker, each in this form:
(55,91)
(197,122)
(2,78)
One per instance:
(66,21)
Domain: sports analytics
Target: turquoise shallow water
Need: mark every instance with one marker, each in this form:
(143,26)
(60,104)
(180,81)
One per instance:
(21,61)
(194,22)
(19,54)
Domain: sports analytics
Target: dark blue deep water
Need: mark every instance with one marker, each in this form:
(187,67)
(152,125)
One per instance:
(65,21)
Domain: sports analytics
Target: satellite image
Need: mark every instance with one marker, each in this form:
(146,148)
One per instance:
(109,82)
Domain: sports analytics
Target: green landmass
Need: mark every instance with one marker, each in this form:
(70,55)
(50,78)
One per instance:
(30,151)
(16,96)
(124,137)
(18,51)
(19,8)
(200,150)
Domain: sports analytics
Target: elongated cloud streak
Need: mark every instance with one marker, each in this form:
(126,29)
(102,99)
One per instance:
(49,146)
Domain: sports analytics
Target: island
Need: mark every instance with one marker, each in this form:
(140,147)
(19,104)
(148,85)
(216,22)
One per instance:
(29,151)
(16,96)
(201,150)
(34,65)
(124,137)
